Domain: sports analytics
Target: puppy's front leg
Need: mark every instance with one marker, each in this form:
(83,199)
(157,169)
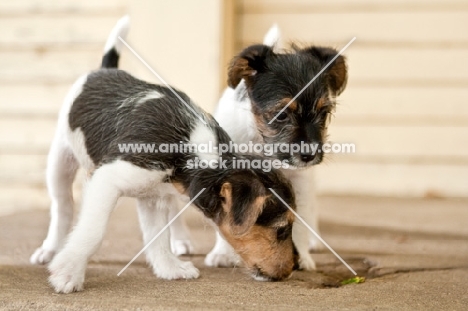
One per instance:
(180,234)
(153,216)
(67,269)
(306,208)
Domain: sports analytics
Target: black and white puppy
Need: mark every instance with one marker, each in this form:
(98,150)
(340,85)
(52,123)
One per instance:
(262,81)
(109,107)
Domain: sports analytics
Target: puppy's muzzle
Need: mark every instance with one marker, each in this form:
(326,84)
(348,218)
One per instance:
(259,275)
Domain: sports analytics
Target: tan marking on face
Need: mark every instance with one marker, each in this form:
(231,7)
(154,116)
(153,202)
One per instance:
(290,217)
(226,193)
(262,125)
(259,202)
(274,109)
(259,248)
(293,106)
(179,187)
(320,103)
(250,215)
(269,113)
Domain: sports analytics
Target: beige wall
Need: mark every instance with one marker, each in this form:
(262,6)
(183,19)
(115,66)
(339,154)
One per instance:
(406,105)
(182,41)
(44,46)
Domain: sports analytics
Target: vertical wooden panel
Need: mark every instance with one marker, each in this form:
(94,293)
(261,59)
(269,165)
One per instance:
(228,39)
(180,40)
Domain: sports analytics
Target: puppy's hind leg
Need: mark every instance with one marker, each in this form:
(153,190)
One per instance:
(153,216)
(61,171)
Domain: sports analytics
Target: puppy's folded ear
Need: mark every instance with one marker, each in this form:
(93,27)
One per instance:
(336,73)
(248,63)
(243,203)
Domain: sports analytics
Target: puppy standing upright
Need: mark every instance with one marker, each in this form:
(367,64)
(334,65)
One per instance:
(262,82)
(109,107)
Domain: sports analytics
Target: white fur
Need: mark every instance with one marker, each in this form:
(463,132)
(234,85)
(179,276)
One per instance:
(153,215)
(180,237)
(106,185)
(235,117)
(150,95)
(119,30)
(273,37)
(61,170)
(202,135)
(140,98)
(77,138)
(222,255)
(306,207)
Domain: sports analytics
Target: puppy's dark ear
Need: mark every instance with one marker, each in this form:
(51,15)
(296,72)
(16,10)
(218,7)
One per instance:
(243,203)
(336,73)
(248,63)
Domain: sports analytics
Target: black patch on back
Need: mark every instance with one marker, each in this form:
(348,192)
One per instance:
(108,113)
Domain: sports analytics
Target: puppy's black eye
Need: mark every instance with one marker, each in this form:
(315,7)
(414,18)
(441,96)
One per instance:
(283,116)
(283,233)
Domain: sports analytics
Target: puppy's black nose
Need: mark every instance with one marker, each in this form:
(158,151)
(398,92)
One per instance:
(307,157)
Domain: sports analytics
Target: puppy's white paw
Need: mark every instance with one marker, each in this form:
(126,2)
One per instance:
(67,274)
(181,247)
(306,262)
(42,256)
(176,269)
(224,260)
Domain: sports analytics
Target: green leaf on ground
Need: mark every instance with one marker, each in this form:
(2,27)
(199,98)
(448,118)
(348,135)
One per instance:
(354,280)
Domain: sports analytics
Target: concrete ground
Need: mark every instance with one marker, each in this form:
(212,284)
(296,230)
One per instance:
(413,253)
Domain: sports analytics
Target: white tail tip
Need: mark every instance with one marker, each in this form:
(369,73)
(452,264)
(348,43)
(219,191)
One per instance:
(119,30)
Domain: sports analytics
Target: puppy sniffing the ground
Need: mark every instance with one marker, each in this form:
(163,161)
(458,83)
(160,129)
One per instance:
(262,81)
(109,107)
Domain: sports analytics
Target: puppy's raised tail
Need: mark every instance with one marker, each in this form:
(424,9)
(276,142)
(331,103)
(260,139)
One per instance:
(113,45)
